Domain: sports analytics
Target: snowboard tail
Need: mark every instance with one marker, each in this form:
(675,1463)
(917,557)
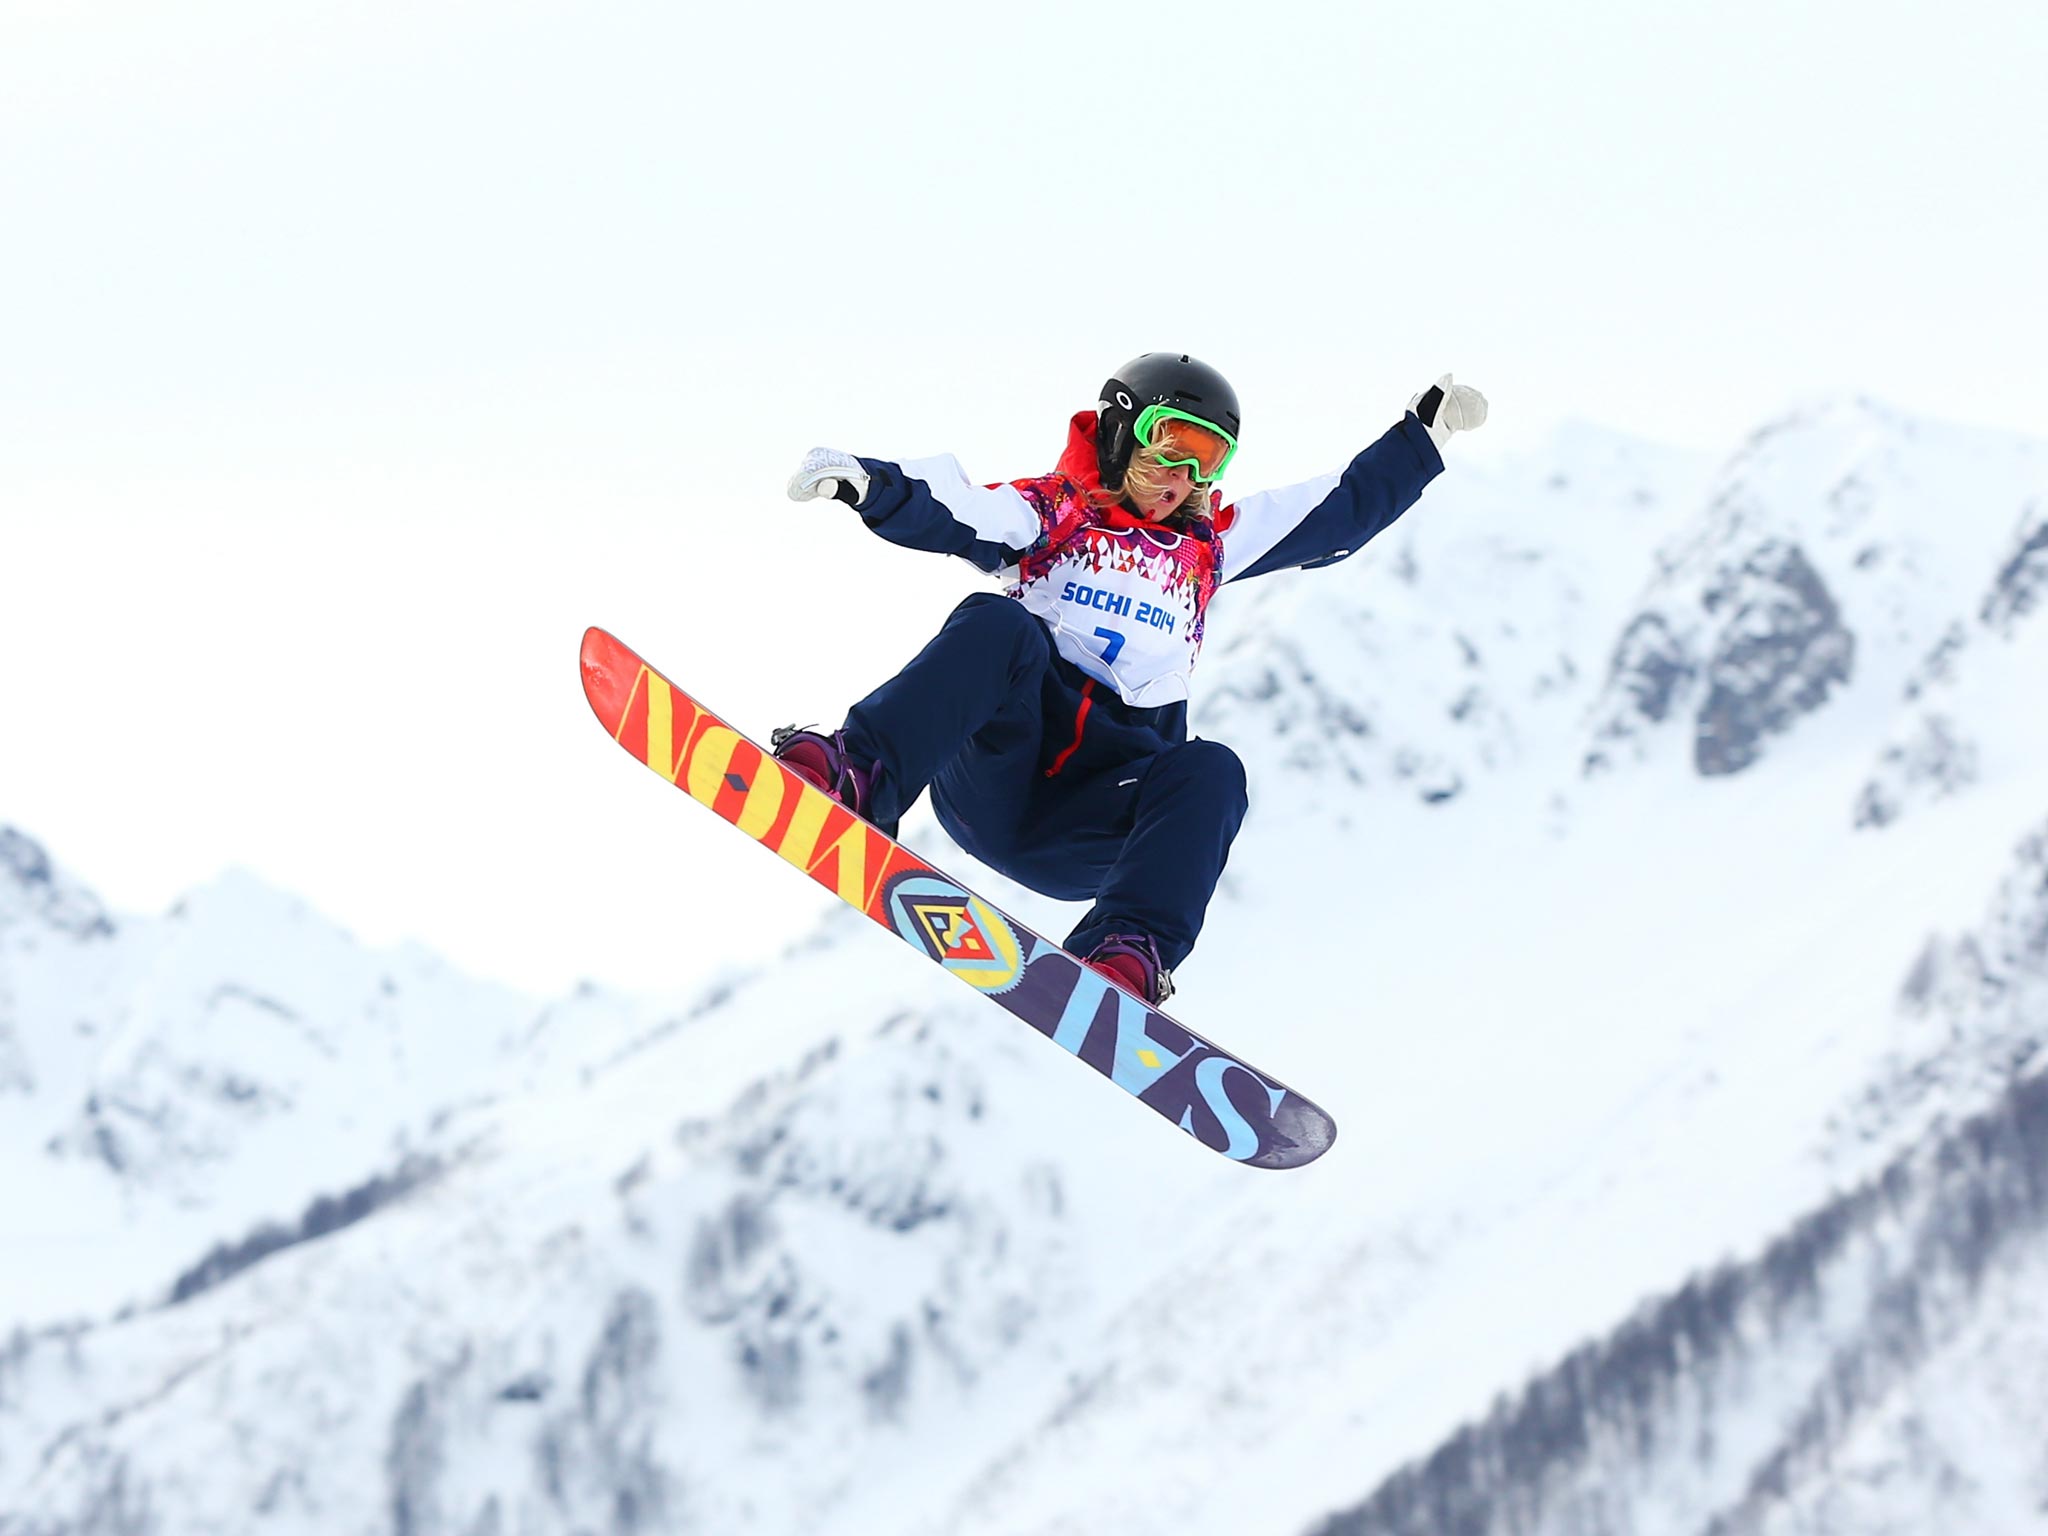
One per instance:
(1220,1101)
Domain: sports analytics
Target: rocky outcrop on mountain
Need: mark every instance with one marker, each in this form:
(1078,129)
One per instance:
(46,919)
(31,886)
(1938,761)
(1827,563)
(2021,586)
(327,1214)
(1766,646)
(1653,668)
(1779,649)
(1933,755)
(1972,1012)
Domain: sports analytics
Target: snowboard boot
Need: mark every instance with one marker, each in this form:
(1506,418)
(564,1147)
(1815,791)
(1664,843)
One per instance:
(1131,960)
(822,760)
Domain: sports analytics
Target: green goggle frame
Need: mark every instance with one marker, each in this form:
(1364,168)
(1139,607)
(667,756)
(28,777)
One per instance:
(1150,418)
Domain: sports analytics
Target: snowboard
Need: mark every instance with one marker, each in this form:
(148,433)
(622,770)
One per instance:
(1226,1105)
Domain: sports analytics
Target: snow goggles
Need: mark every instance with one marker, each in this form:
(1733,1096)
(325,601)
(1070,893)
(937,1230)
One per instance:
(1179,438)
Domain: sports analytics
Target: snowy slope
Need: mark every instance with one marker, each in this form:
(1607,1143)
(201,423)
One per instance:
(1672,977)
(174,1082)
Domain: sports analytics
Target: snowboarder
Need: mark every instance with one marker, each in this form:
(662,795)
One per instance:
(1050,721)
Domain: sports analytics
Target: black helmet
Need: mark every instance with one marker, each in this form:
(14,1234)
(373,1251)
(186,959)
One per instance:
(1170,379)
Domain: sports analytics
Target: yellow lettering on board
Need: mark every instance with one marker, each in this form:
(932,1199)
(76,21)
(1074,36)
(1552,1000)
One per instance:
(812,808)
(800,846)
(709,758)
(661,752)
(764,803)
(710,762)
(852,848)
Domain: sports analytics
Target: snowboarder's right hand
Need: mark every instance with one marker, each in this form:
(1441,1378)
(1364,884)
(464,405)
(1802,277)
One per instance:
(828,472)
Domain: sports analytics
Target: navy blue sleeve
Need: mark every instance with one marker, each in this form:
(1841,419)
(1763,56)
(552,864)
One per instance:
(903,510)
(1381,483)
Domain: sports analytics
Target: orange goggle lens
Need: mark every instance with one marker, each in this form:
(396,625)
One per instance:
(1178,441)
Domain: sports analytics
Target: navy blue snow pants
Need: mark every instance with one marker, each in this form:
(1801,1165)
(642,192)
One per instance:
(1047,775)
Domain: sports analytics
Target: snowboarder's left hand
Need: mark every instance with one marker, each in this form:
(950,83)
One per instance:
(1445,408)
(828,472)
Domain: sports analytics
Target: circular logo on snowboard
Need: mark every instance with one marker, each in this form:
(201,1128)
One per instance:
(962,932)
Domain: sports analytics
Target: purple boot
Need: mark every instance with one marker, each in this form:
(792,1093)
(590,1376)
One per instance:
(1131,960)
(823,760)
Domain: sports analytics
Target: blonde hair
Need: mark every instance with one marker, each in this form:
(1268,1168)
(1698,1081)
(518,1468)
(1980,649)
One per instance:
(1144,481)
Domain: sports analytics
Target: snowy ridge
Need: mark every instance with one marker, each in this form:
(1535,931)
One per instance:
(1828,1332)
(1663,1089)
(673,1284)
(33,890)
(202,1079)
(1653,1427)
(51,933)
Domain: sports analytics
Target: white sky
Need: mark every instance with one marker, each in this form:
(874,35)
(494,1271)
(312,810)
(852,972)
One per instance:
(355,356)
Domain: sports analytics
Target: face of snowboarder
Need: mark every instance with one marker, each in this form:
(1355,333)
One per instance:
(1155,491)
(1179,461)
(1174,487)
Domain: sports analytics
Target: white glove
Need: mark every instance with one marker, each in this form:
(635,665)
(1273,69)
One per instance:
(1445,408)
(825,471)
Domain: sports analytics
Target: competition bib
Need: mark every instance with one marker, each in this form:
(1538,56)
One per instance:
(1125,606)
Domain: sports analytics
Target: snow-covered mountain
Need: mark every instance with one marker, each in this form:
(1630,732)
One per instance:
(1648,865)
